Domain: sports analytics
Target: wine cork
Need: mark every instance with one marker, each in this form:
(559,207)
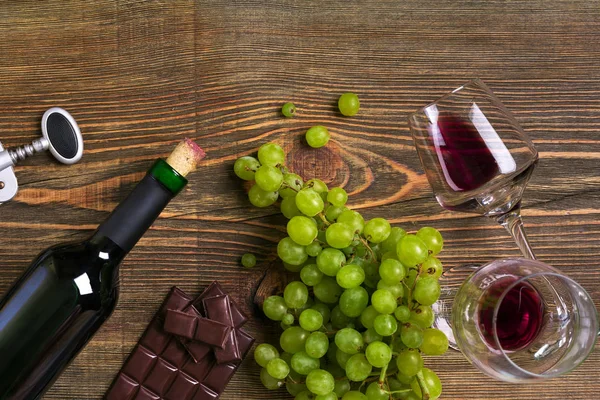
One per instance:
(186,157)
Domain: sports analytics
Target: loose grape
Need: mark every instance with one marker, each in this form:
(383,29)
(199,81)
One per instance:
(358,368)
(248,260)
(422,316)
(384,301)
(288,207)
(411,335)
(275,308)
(370,336)
(367,317)
(396,289)
(432,238)
(349,104)
(342,358)
(309,202)
(310,320)
(349,340)
(385,325)
(353,301)
(268,178)
(264,353)
(305,395)
(311,275)
(245,167)
(409,362)
(296,388)
(316,345)
(379,354)
(302,230)
(337,196)
(377,230)
(350,276)
(353,219)
(268,381)
(333,212)
(292,184)
(411,251)
(302,363)
(288,110)
(376,392)
(354,395)
(291,252)
(278,368)
(295,294)
(339,235)
(320,382)
(432,267)
(292,340)
(339,320)
(427,291)
(271,154)
(391,271)
(431,382)
(389,244)
(328,396)
(288,320)
(328,291)
(341,387)
(261,198)
(317,136)
(402,313)
(330,261)
(324,310)
(314,249)
(435,342)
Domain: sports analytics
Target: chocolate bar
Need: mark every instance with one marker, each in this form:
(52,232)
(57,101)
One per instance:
(160,367)
(197,328)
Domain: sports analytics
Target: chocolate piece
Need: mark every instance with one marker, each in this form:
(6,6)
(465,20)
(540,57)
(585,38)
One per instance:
(180,323)
(205,393)
(218,308)
(197,350)
(215,289)
(219,376)
(212,332)
(245,342)
(123,388)
(140,363)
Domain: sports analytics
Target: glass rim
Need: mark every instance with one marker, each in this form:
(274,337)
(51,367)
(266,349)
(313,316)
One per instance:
(499,303)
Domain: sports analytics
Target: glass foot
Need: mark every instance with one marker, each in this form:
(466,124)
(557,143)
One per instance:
(450,282)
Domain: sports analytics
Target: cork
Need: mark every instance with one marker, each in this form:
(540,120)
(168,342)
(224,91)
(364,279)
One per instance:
(186,156)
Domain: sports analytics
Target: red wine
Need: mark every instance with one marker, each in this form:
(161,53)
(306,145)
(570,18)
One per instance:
(520,314)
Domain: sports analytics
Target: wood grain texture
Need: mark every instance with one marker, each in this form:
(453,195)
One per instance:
(140,75)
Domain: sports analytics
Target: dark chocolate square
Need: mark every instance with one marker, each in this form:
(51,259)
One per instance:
(219,376)
(180,323)
(205,393)
(175,353)
(155,339)
(183,388)
(123,388)
(211,332)
(140,363)
(145,394)
(161,377)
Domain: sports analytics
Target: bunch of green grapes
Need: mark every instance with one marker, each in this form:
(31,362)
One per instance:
(356,324)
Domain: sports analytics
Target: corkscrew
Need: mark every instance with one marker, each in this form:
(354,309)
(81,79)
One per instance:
(60,135)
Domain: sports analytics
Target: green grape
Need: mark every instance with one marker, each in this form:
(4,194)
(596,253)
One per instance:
(294,268)
(330,261)
(384,301)
(367,317)
(309,202)
(405,380)
(402,313)
(389,244)
(295,388)
(271,154)
(311,275)
(341,387)
(353,301)
(342,358)
(427,291)
(302,363)
(288,319)
(284,326)
(333,212)
(377,230)
(316,345)
(411,335)
(422,316)
(396,289)
(349,105)
(320,382)
(409,362)
(248,260)
(264,353)
(432,238)
(324,310)
(287,357)
(435,342)
(302,230)
(261,198)
(309,303)
(288,110)
(275,308)
(245,167)
(432,267)
(268,381)
(328,291)
(411,277)
(317,136)
(268,178)
(305,395)
(292,184)
(431,382)
(292,340)
(310,320)
(318,186)
(295,294)
(385,325)
(339,320)
(328,396)
(353,219)
(379,354)
(314,249)
(370,336)
(411,251)
(358,368)
(291,252)
(339,235)
(278,368)
(350,276)
(337,196)
(391,271)
(389,255)
(288,207)
(354,395)
(349,340)
(376,392)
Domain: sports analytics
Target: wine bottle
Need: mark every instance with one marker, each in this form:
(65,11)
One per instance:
(69,290)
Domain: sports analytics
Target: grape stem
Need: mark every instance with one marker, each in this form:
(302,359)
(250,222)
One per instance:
(382,375)
(323,219)
(366,244)
(423,385)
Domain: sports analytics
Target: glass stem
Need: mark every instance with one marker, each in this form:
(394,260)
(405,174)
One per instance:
(513,223)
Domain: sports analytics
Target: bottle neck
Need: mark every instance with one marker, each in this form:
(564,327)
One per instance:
(134,215)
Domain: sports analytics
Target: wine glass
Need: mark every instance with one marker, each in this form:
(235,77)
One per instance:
(519,319)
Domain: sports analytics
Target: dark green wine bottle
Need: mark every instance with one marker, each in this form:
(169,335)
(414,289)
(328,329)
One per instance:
(69,290)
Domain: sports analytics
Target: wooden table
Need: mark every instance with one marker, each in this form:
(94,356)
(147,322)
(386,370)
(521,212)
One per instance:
(139,76)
